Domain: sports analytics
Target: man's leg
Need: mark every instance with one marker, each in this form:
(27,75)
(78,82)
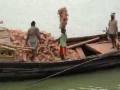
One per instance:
(34,54)
(116,42)
(112,40)
(62,53)
(114,37)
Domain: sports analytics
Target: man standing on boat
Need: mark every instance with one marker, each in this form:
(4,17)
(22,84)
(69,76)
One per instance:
(113,30)
(63,15)
(63,44)
(33,39)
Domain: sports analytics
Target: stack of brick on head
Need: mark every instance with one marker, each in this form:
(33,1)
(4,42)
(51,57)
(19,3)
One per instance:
(63,15)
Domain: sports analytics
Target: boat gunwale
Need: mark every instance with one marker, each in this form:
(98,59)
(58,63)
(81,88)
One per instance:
(96,57)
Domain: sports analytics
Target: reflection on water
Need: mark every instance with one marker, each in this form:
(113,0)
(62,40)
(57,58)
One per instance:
(89,88)
(118,86)
(99,80)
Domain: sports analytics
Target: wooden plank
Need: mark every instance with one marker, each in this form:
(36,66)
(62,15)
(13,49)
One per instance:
(82,43)
(15,47)
(102,48)
(8,48)
(5,37)
(80,53)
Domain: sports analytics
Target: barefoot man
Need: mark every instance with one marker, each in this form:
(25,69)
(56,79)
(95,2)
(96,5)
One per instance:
(113,30)
(33,38)
(63,15)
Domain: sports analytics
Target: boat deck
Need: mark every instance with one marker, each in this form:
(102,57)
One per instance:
(80,53)
(101,48)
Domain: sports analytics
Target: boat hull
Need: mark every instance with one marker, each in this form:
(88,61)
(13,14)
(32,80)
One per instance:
(19,70)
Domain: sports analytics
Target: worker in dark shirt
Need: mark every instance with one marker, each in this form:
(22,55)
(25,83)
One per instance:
(33,39)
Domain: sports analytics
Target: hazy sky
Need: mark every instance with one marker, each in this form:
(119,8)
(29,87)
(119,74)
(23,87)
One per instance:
(86,17)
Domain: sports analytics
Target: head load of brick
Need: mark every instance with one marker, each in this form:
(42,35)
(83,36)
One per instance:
(63,15)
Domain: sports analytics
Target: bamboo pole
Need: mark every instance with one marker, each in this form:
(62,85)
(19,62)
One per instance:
(82,43)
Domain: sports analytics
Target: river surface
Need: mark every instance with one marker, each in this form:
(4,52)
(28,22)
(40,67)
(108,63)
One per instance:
(98,80)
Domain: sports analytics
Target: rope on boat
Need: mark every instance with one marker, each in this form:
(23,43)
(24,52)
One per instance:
(75,66)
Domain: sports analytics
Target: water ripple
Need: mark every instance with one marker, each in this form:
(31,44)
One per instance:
(91,88)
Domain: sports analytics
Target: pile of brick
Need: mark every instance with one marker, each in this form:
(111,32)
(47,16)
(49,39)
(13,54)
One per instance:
(48,50)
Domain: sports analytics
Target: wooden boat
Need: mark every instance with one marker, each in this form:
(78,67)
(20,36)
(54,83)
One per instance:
(95,52)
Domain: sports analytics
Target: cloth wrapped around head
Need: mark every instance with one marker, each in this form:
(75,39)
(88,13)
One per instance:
(113,14)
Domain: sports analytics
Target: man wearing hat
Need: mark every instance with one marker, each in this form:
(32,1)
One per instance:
(113,30)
